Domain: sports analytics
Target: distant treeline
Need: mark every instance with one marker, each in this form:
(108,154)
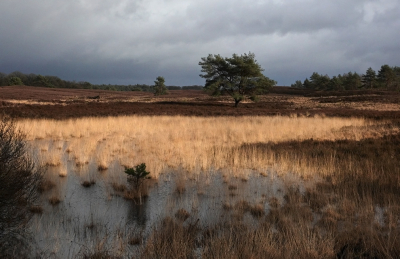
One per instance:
(18,78)
(387,78)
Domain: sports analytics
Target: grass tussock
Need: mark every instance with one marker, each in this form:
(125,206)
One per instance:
(257,210)
(36,209)
(119,188)
(182,214)
(63,172)
(102,167)
(171,239)
(136,238)
(274,202)
(54,200)
(87,184)
(45,185)
(232,187)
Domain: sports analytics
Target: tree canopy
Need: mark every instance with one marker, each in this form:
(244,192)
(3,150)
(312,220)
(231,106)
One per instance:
(159,86)
(387,78)
(369,78)
(239,76)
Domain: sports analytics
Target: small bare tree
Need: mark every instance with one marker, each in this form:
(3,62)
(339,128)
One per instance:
(19,180)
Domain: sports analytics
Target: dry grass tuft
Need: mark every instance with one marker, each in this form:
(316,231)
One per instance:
(182,215)
(274,202)
(136,240)
(87,184)
(242,206)
(330,218)
(170,239)
(102,167)
(54,200)
(347,207)
(46,185)
(118,187)
(63,172)
(257,211)
(227,206)
(232,187)
(316,199)
(36,209)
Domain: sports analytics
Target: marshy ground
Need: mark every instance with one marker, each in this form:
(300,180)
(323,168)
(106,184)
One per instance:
(293,176)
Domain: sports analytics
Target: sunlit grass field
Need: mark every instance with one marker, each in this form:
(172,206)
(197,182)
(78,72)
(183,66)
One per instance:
(343,200)
(192,143)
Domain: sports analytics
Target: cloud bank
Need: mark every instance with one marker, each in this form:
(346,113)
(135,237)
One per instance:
(134,41)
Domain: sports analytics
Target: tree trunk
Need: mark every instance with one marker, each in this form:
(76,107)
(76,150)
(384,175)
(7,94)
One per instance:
(237,103)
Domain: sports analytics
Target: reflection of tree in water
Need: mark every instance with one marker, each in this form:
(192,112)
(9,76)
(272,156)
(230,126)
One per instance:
(137,213)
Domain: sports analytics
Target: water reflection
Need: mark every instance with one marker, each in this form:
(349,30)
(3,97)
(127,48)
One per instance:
(137,213)
(88,215)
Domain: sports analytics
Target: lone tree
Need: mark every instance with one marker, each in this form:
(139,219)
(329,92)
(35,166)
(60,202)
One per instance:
(159,86)
(239,76)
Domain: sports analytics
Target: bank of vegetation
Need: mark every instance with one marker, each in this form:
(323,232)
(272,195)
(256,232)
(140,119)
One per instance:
(19,78)
(388,78)
(20,177)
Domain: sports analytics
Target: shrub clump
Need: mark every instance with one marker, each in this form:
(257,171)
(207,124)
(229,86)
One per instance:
(20,178)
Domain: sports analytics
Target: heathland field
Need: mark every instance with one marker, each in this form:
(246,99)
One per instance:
(293,176)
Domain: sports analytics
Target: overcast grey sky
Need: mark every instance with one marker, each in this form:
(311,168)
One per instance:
(134,41)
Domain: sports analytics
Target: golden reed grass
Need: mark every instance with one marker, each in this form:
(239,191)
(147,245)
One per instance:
(333,218)
(192,143)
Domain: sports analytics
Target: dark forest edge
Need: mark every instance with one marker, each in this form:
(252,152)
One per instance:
(19,78)
(387,78)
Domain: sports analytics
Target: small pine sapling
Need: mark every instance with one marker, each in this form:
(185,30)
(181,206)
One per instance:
(137,175)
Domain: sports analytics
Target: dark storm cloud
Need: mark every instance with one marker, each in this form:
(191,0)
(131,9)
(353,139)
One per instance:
(122,41)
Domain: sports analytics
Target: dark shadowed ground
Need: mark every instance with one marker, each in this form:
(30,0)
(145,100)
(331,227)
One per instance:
(37,102)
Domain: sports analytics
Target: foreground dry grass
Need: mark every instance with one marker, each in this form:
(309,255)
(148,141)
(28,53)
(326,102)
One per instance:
(352,213)
(192,143)
(351,209)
